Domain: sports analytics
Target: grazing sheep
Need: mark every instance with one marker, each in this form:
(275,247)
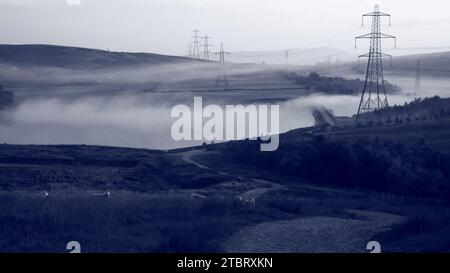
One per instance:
(103,194)
(197,196)
(45,194)
(250,201)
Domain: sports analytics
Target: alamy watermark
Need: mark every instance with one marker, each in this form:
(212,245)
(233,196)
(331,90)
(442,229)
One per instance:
(73,2)
(231,122)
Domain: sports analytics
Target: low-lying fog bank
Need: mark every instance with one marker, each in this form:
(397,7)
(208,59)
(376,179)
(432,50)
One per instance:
(134,121)
(131,107)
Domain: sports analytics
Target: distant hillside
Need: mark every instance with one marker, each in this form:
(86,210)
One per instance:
(52,167)
(6,97)
(434,108)
(405,159)
(332,85)
(77,58)
(308,56)
(433,64)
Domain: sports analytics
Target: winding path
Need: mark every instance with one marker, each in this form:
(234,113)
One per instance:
(320,234)
(312,234)
(250,194)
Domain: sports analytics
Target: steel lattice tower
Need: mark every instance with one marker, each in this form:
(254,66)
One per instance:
(418,78)
(206,45)
(374,95)
(196,46)
(222,78)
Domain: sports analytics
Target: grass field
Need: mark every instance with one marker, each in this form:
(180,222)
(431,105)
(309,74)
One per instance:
(151,208)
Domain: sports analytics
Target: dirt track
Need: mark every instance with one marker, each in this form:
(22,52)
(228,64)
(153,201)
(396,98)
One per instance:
(305,235)
(312,234)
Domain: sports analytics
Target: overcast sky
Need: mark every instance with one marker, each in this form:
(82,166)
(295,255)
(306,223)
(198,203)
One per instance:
(164,26)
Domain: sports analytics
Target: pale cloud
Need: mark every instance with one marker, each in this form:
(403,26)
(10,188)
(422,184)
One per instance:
(164,26)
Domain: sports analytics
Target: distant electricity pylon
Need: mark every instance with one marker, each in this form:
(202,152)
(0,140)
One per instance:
(374,95)
(287,56)
(196,44)
(418,87)
(222,78)
(206,46)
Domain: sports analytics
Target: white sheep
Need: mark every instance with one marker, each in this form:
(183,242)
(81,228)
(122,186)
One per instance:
(103,194)
(251,201)
(197,196)
(45,194)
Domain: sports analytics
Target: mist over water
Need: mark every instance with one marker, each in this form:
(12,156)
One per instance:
(140,121)
(113,107)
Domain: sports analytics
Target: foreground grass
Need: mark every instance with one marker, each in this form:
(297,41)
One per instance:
(126,222)
(427,230)
(164,222)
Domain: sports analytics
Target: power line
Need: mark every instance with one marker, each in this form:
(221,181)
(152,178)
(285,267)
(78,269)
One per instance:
(333,38)
(422,22)
(302,47)
(424,48)
(322,57)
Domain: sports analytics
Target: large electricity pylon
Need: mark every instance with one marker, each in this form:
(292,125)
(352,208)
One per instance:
(374,95)
(196,44)
(222,78)
(206,46)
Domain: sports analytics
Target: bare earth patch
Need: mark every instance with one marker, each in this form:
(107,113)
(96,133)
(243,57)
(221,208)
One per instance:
(312,234)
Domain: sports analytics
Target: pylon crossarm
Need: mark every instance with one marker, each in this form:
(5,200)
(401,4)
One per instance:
(375,36)
(387,36)
(376,13)
(382,55)
(365,36)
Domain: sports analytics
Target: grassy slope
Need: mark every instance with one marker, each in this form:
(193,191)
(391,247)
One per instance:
(150,212)
(77,58)
(427,226)
(436,133)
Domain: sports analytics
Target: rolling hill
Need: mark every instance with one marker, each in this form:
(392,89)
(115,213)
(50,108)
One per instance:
(432,64)
(78,58)
(304,56)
